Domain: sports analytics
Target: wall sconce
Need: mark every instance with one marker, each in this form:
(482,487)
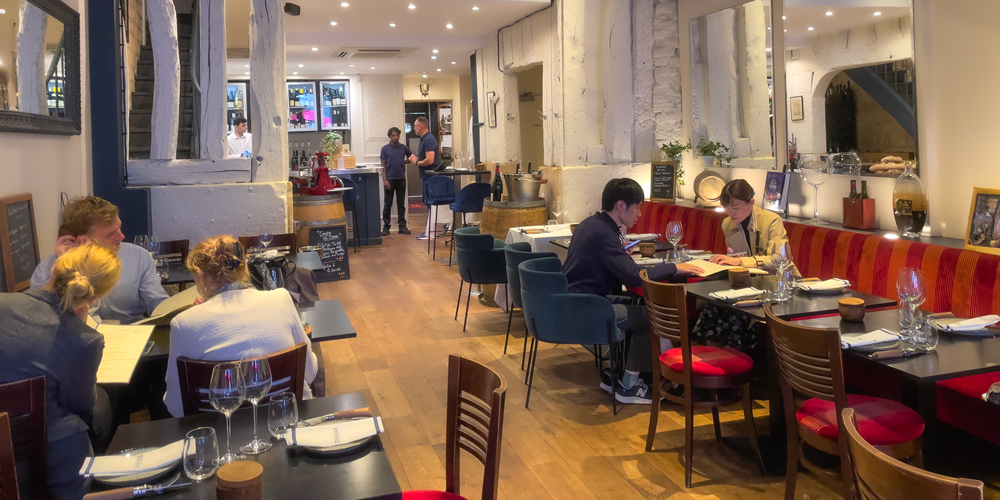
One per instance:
(425,88)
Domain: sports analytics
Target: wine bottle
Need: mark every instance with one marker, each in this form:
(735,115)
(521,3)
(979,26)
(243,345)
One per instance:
(854,190)
(497,185)
(295,160)
(517,169)
(529,168)
(864,190)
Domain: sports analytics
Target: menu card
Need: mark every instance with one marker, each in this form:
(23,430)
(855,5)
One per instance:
(123,344)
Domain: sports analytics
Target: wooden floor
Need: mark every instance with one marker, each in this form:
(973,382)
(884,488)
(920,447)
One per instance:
(568,445)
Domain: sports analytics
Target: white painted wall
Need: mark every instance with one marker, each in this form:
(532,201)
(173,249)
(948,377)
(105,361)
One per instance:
(381,99)
(442,89)
(209,210)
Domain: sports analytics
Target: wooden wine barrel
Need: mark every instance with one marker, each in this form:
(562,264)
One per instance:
(499,216)
(317,211)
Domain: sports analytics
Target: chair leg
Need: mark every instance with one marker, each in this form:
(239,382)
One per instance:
(654,411)
(792,467)
(467,298)
(461,284)
(357,242)
(451,250)
(531,349)
(612,350)
(715,415)
(510,317)
(434,253)
(429,226)
(751,429)
(524,348)
(688,435)
(531,370)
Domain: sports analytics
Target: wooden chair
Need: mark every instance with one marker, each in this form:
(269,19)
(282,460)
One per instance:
(288,370)
(476,398)
(24,402)
(810,366)
(693,367)
(881,477)
(283,243)
(174,251)
(8,472)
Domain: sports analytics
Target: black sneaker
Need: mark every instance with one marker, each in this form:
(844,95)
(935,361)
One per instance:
(404,230)
(606,380)
(385,231)
(638,394)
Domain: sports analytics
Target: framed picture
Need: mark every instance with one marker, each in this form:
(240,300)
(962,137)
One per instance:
(491,108)
(795,108)
(983,233)
(775,194)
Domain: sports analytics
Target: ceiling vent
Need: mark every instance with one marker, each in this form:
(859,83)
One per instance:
(371,53)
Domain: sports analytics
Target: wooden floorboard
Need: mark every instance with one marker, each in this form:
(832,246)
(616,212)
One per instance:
(568,445)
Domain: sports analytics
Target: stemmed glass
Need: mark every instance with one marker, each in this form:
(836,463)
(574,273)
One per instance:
(557,211)
(226,393)
(153,246)
(912,293)
(141,241)
(265,238)
(781,259)
(846,163)
(815,170)
(256,375)
(674,232)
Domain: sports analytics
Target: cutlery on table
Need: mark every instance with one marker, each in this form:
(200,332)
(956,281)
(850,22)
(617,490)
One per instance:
(134,492)
(339,415)
(751,302)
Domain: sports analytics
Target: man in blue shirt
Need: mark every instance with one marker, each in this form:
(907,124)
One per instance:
(428,158)
(394,156)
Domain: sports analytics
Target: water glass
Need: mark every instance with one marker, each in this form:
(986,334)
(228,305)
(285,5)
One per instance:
(282,414)
(911,320)
(553,222)
(925,338)
(201,453)
(162,268)
(775,289)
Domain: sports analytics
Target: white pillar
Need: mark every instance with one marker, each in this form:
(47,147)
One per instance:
(616,81)
(754,90)
(213,79)
(644,148)
(31,60)
(268,104)
(162,17)
(723,84)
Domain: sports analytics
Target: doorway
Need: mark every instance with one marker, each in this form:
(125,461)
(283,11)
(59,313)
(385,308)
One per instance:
(438,114)
(529,91)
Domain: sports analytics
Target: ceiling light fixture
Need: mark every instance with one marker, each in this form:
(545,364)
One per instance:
(411,6)
(439,70)
(877,13)
(810,28)
(474,7)
(373,67)
(453,62)
(392,25)
(435,51)
(246,65)
(783,18)
(295,72)
(829,12)
(3,11)
(449,26)
(315,49)
(786,31)
(246,73)
(767,49)
(341,72)
(434,57)
(424,75)
(333,23)
(302,65)
(351,65)
(345,4)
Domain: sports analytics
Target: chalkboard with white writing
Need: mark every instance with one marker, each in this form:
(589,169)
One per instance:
(663,182)
(18,241)
(333,241)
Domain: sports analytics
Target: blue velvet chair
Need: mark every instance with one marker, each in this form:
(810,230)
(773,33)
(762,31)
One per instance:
(469,201)
(556,316)
(438,190)
(516,253)
(351,198)
(481,261)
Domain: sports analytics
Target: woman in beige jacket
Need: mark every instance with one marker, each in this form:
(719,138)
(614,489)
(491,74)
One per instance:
(752,233)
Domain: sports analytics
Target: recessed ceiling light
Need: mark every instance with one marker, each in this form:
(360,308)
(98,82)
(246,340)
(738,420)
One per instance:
(435,51)
(295,72)
(246,73)
(302,65)
(424,75)
(475,7)
(829,12)
(246,65)
(411,6)
(810,28)
(767,49)
(3,11)
(392,25)
(345,4)
(373,67)
(877,13)
(449,26)
(341,72)
(315,49)
(453,62)
(439,69)
(333,23)
(351,65)
(768,28)
(783,18)
(786,31)
(434,57)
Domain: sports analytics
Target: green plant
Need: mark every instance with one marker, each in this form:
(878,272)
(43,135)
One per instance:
(716,149)
(673,149)
(331,143)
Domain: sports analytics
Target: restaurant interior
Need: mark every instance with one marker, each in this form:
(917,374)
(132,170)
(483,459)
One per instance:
(869,361)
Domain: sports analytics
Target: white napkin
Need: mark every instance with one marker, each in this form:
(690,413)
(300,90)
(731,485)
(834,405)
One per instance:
(321,436)
(642,236)
(735,294)
(118,465)
(831,284)
(647,261)
(969,325)
(880,335)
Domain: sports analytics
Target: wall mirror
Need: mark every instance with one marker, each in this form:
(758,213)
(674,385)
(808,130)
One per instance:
(732,84)
(39,67)
(849,75)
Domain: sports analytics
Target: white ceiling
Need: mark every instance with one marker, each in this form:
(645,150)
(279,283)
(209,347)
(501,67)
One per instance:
(798,18)
(365,23)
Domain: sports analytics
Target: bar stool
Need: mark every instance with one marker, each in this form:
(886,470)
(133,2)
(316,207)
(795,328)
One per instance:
(469,201)
(437,190)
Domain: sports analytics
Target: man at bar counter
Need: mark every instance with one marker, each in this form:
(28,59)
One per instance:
(92,219)
(598,263)
(240,142)
(428,159)
(394,157)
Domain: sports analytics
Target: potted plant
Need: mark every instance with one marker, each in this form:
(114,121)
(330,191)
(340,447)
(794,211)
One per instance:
(712,152)
(672,151)
(331,143)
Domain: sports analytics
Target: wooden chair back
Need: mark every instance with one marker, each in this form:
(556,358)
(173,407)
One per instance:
(8,472)
(809,359)
(283,243)
(24,403)
(666,306)
(288,368)
(476,399)
(881,477)
(174,251)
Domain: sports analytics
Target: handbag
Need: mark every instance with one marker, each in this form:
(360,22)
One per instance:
(269,274)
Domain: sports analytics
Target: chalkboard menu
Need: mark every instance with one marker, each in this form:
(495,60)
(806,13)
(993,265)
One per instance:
(333,241)
(663,182)
(18,242)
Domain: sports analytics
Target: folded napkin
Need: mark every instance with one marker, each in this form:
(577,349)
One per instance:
(968,325)
(647,261)
(336,433)
(642,236)
(735,294)
(119,465)
(831,284)
(880,335)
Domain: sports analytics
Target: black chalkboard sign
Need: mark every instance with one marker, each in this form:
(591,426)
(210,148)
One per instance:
(18,242)
(333,241)
(663,182)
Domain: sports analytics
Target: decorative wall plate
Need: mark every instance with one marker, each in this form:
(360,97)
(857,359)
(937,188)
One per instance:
(707,188)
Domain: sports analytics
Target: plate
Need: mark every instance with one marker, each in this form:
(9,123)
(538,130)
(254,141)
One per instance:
(340,449)
(736,299)
(879,346)
(149,476)
(831,291)
(937,323)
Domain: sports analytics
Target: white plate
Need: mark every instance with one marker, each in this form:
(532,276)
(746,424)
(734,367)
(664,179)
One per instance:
(937,323)
(138,478)
(736,299)
(340,449)
(825,291)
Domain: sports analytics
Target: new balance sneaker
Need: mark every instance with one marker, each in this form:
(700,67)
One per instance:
(385,231)
(404,230)
(423,236)
(606,380)
(638,394)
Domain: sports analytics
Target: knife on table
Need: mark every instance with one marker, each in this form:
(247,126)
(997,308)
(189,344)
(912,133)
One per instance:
(339,415)
(127,493)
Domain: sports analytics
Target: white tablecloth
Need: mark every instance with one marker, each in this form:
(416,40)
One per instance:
(540,242)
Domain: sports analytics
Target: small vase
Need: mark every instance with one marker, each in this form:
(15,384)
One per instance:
(909,204)
(708,161)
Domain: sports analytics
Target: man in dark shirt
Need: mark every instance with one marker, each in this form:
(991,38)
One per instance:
(428,158)
(394,156)
(598,263)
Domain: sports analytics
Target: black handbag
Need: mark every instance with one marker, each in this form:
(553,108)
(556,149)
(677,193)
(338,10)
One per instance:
(269,274)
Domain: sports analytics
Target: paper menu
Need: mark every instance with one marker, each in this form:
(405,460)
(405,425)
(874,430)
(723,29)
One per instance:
(709,268)
(170,307)
(123,344)
(117,465)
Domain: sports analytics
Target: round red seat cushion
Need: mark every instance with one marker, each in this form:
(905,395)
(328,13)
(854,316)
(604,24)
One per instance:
(430,495)
(881,422)
(709,361)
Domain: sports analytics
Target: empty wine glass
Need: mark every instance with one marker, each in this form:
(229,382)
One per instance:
(265,238)
(846,163)
(256,375)
(815,170)
(557,210)
(674,232)
(154,245)
(201,453)
(162,268)
(781,259)
(912,293)
(225,392)
(141,241)
(282,414)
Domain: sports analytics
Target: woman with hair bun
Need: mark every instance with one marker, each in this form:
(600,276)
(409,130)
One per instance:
(43,332)
(235,319)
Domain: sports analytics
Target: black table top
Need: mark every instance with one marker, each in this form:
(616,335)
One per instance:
(801,304)
(178,273)
(288,472)
(955,356)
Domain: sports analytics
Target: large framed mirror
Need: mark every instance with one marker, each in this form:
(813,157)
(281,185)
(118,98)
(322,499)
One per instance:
(39,67)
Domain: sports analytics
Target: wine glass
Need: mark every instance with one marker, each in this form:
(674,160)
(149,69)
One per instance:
(256,375)
(674,232)
(815,170)
(557,210)
(153,245)
(225,392)
(264,238)
(282,414)
(201,453)
(912,293)
(846,163)
(141,241)
(162,268)
(781,259)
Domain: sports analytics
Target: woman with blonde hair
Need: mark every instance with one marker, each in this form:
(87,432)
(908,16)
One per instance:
(235,319)
(43,332)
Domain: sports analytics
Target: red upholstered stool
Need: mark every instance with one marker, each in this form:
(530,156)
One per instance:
(881,422)
(960,403)
(431,495)
(713,361)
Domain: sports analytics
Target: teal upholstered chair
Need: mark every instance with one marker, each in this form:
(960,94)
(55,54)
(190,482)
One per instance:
(555,316)
(516,253)
(480,262)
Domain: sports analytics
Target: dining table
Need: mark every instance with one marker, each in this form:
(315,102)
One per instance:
(289,472)
(178,273)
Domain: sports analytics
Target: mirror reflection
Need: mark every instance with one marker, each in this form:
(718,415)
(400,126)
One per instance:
(731,81)
(32,60)
(850,81)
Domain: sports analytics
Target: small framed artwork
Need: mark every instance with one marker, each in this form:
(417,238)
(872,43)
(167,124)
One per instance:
(795,108)
(983,233)
(491,108)
(775,197)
